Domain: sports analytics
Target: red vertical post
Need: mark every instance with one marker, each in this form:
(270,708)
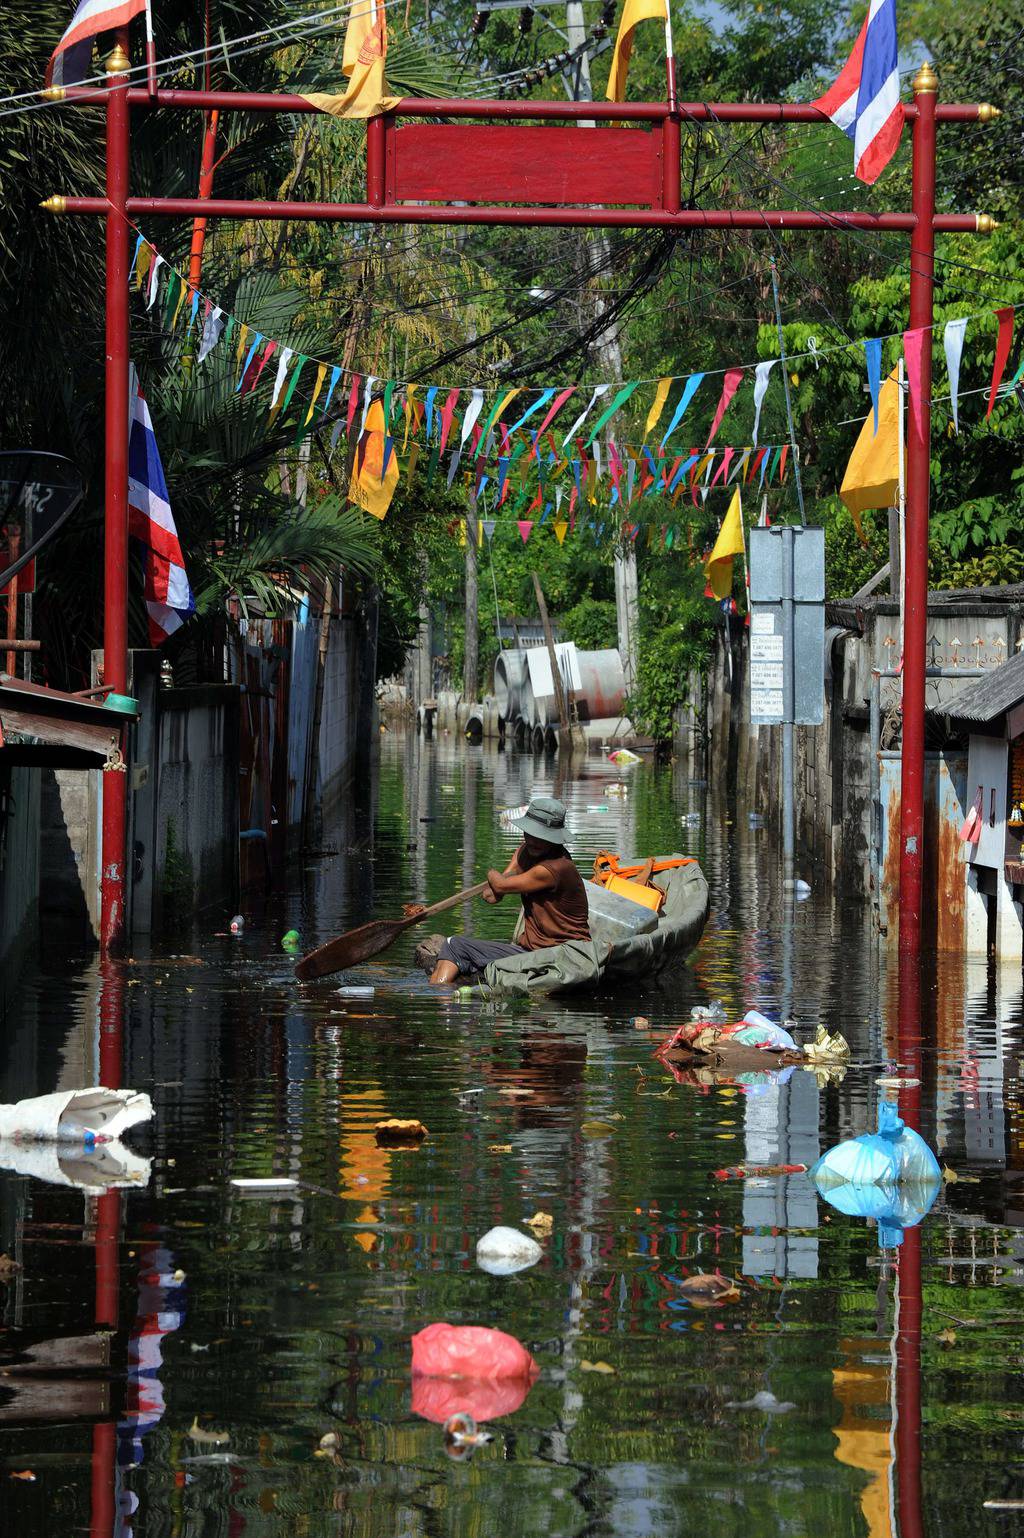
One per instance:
(671,173)
(922,267)
(375,157)
(115,518)
(206,170)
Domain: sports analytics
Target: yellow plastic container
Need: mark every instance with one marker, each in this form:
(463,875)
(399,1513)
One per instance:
(646,896)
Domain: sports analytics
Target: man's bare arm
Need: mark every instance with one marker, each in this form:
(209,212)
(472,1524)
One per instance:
(537,879)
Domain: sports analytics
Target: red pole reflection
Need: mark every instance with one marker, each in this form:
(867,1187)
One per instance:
(108,1238)
(908,1283)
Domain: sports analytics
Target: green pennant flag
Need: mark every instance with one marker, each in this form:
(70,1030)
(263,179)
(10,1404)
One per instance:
(292,383)
(606,416)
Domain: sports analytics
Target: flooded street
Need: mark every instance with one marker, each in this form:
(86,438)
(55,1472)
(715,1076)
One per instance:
(172,1357)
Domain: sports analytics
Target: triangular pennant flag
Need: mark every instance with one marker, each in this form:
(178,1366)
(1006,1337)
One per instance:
(321,375)
(248,359)
(690,389)
(353,402)
(555,407)
(729,543)
(620,400)
(251,378)
(598,391)
(761,377)
(1003,341)
(213,325)
(953,343)
(447,412)
(335,376)
(730,385)
(873,360)
(657,406)
(154,274)
(524,525)
(282,373)
(488,528)
(561,528)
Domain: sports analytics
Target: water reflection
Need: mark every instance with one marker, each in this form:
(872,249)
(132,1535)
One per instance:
(301,1306)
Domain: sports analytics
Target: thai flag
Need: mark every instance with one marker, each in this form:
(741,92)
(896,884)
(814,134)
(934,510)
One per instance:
(865,100)
(70,62)
(169,600)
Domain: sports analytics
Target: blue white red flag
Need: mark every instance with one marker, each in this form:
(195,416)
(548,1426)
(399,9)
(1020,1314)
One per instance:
(865,100)
(70,62)
(169,600)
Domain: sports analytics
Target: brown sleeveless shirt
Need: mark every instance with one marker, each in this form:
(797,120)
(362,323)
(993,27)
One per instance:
(559,913)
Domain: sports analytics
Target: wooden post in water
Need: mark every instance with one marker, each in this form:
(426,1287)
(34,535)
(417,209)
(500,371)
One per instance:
(471,665)
(564,732)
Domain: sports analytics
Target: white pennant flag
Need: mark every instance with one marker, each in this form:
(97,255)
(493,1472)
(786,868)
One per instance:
(371,380)
(953,341)
(599,390)
(158,262)
(213,326)
(470,415)
(472,411)
(282,373)
(760,389)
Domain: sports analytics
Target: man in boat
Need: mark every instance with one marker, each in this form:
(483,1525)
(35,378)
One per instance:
(542,874)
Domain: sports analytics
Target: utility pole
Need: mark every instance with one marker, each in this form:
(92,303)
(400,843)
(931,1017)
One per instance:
(471,666)
(610,357)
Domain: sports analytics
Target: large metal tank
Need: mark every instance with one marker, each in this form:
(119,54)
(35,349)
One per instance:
(510,671)
(603,684)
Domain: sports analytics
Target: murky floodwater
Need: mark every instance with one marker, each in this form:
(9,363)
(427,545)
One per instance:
(234,1332)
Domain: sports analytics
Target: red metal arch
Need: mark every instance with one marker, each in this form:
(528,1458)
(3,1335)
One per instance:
(517,163)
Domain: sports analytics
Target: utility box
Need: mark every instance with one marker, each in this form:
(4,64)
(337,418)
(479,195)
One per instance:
(787,626)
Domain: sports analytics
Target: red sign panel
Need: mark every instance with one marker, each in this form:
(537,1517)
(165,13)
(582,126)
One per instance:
(513,163)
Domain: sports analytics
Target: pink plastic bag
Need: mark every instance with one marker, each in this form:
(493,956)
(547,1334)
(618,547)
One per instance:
(470,1351)
(970,833)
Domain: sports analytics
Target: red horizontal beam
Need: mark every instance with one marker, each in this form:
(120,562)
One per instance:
(618,218)
(509,111)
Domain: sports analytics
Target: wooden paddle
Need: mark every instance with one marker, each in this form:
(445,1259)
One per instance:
(370,939)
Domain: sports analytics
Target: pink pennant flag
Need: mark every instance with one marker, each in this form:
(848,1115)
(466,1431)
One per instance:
(252,377)
(353,402)
(913,352)
(447,412)
(1003,341)
(556,406)
(524,526)
(720,473)
(730,385)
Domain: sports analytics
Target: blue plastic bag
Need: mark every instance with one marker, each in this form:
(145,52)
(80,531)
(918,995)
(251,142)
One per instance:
(890,1176)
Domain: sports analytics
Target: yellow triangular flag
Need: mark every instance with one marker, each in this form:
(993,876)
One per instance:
(658,406)
(320,376)
(366,47)
(718,565)
(873,475)
(561,530)
(372,485)
(633,12)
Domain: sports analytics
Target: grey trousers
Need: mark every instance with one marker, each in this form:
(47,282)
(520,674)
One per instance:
(471,955)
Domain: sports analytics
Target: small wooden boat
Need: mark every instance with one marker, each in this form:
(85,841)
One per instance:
(628,940)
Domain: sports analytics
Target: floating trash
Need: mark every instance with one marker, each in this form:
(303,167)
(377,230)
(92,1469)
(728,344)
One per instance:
(504,1251)
(462,1437)
(291,940)
(351,991)
(237,924)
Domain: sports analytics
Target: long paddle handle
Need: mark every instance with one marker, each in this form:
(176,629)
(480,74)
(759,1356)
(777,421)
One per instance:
(452,902)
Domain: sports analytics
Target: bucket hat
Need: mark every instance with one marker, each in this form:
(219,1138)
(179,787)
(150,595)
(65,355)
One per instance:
(544,818)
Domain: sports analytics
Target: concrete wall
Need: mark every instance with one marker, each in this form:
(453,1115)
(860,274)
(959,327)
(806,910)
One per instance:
(195,848)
